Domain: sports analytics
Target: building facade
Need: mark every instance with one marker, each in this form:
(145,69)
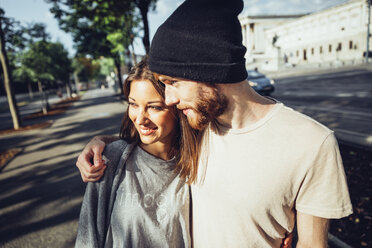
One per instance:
(254,34)
(329,38)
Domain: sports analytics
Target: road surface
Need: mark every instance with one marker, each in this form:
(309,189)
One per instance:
(41,190)
(342,101)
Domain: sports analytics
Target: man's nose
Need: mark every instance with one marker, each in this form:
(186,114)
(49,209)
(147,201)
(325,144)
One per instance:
(170,98)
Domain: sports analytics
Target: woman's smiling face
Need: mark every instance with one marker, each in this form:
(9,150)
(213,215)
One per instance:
(154,121)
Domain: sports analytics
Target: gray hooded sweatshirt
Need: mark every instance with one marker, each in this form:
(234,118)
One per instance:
(139,202)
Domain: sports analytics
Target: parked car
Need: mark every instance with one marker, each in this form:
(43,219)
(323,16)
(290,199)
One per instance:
(260,83)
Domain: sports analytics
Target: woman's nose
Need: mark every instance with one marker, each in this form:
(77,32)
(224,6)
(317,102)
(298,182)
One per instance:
(141,117)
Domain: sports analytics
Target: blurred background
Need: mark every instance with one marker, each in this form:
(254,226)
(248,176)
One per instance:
(63,63)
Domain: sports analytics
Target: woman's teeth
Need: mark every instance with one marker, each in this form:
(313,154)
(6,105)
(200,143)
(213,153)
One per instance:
(147,131)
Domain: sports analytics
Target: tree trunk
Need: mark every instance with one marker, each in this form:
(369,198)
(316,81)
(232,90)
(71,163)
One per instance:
(134,58)
(120,78)
(46,96)
(144,9)
(68,89)
(8,82)
(30,92)
(43,98)
(76,79)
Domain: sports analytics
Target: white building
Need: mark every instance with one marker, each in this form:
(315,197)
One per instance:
(329,38)
(254,37)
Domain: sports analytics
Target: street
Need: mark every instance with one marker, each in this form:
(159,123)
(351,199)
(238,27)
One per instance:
(342,101)
(27,107)
(41,190)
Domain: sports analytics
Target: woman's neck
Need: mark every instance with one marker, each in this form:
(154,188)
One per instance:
(158,150)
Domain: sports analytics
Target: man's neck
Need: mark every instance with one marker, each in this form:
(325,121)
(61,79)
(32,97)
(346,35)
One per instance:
(245,106)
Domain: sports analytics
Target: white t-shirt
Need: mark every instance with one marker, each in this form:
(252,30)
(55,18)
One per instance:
(256,177)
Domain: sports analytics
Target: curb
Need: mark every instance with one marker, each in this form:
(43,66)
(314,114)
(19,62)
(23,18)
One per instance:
(17,151)
(297,72)
(333,240)
(354,139)
(44,124)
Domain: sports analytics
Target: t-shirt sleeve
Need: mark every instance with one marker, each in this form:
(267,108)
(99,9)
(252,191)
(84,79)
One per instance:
(324,192)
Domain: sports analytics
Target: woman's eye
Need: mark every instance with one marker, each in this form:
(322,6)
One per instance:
(157,107)
(132,104)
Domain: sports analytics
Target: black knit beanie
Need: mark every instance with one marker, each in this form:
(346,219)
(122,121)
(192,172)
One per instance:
(201,41)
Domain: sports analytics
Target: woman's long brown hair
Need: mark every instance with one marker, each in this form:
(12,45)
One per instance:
(186,143)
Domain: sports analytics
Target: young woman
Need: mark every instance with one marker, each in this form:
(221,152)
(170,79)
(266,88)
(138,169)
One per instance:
(143,199)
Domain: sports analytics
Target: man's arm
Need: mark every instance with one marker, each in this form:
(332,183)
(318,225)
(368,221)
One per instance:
(312,231)
(91,172)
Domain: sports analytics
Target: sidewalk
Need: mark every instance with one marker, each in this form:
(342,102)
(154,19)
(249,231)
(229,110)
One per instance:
(25,108)
(41,189)
(303,71)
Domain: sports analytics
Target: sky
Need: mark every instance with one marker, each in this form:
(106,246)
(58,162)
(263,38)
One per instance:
(28,11)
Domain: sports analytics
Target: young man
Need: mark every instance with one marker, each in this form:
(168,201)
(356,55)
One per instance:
(264,167)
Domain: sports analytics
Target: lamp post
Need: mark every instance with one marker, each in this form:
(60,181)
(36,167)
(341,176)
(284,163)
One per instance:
(368,24)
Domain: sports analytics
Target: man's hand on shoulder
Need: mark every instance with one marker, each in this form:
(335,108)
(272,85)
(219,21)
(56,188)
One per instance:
(90,162)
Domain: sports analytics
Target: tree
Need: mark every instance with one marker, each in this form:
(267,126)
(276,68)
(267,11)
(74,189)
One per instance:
(61,68)
(91,22)
(46,62)
(37,60)
(24,74)
(89,70)
(8,76)
(144,6)
(36,32)
(108,12)
(93,42)
(77,67)
(33,32)
(111,24)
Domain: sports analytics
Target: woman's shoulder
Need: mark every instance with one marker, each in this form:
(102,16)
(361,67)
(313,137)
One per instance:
(119,144)
(114,150)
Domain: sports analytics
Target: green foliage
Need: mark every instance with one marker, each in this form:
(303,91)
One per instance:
(91,22)
(35,32)
(44,61)
(13,33)
(118,21)
(61,67)
(18,37)
(88,68)
(106,66)
(23,53)
(24,74)
(38,59)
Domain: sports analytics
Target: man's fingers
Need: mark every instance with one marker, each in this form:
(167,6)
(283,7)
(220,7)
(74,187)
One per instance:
(96,174)
(90,163)
(86,166)
(92,180)
(287,242)
(95,168)
(97,151)
(92,177)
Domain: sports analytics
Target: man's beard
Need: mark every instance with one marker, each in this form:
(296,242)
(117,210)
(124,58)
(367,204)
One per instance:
(208,109)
